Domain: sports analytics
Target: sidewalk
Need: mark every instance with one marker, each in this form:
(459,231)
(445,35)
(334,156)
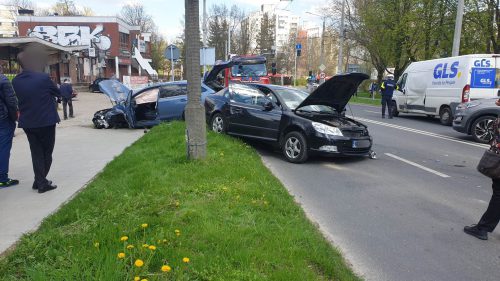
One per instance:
(80,153)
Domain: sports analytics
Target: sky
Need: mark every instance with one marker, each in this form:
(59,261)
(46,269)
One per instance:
(168,14)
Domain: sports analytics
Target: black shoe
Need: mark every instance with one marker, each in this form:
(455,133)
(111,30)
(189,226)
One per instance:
(476,232)
(383,116)
(9,182)
(47,188)
(65,118)
(390,117)
(34,186)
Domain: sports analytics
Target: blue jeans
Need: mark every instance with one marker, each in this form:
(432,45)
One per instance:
(7,128)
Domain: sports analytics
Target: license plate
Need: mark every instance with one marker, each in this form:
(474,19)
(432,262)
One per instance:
(360,143)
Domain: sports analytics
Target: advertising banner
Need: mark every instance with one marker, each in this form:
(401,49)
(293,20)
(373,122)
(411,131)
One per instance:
(483,77)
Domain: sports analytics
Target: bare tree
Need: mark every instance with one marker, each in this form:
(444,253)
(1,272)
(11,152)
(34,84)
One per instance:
(135,14)
(195,113)
(22,4)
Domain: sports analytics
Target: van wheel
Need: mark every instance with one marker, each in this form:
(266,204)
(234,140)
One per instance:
(445,116)
(394,109)
(482,129)
(295,147)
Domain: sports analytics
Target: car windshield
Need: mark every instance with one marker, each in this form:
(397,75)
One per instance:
(249,70)
(293,98)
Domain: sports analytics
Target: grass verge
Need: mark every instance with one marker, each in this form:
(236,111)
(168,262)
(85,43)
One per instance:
(228,214)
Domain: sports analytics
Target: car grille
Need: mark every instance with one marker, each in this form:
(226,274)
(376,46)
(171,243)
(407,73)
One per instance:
(355,134)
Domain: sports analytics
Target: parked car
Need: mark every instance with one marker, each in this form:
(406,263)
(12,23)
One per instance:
(145,107)
(94,87)
(300,124)
(476,118)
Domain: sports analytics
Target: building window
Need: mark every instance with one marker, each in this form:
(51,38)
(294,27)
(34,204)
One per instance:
(65,69)
(124,41)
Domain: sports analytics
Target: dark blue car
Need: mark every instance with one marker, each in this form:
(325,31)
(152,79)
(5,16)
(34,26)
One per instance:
(145,107)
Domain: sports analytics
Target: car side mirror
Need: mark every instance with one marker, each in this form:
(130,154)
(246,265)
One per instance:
(268,105)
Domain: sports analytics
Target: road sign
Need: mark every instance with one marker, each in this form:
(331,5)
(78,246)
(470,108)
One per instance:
(322,75)
(172,52)
(298,46)
(322,67)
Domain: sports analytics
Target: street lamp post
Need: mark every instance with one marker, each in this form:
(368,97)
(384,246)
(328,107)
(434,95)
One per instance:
(341,41)
(458,29)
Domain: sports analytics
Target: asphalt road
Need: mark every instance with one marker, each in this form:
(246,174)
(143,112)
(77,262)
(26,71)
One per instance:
(400,217)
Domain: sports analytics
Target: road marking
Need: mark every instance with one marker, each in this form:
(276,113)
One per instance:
(334,166)
(372,111)
(417,165)
(422,132)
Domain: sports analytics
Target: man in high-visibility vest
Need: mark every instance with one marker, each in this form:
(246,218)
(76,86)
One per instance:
(387,89)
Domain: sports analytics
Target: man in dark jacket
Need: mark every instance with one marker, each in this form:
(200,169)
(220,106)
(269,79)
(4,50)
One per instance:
(8,118)
(387,89)
(38,114)
(67,98)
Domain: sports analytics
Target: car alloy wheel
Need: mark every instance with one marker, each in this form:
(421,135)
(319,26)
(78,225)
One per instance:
(218,123)
(445,116)
(295,147)
(482,130)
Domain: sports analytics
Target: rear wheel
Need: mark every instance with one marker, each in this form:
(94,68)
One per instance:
(482,129)
(445,116)
(218,123)
(295,147)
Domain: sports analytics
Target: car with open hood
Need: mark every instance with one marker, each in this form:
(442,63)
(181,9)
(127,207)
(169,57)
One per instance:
(145,107)
(300,124)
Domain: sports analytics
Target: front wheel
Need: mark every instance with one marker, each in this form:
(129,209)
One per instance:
(295,147)
(482,129)
(445,116)
(218,123)
(394,109)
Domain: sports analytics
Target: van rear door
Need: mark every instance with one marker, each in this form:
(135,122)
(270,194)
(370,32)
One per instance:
(484,78)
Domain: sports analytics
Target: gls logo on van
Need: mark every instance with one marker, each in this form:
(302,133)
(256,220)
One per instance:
(441,70)
(482,63)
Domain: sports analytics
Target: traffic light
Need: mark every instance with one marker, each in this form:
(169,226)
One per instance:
(273,68)
(299,51)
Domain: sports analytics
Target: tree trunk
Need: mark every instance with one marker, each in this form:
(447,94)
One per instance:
(195,113)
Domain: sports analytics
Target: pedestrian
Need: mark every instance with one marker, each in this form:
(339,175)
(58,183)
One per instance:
(489,220)
(38,117)
(387,89)
(67,98)
(8,118)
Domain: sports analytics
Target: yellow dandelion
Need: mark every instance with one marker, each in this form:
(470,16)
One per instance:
(177,203)
(152,247)
(138,263)
(177,232)
(121,255)
(144,279)
(137,278)
(145,245)
(129,247)
(164,240)
(185,260)
(144,225)
(124,238)
(166,268)
(96,244)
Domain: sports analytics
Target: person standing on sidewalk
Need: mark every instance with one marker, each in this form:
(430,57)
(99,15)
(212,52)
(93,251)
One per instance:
(491,217)
(67,98)
(38,114)
(8,118)
(387,89)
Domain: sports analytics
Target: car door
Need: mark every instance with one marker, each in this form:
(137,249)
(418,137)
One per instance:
(172,101)
(400,93)
(248,117)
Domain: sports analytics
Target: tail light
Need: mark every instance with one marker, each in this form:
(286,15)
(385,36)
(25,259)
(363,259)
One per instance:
(466,93)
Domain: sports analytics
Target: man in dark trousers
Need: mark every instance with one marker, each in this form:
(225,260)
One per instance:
(67,98)
(38,117)
(387,89)
(8,118)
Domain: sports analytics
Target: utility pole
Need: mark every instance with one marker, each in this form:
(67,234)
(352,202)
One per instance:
(458,29)
(341,42)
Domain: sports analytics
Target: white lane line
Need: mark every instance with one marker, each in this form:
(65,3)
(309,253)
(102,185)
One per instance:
(417,165)
(422,132)
(372,111)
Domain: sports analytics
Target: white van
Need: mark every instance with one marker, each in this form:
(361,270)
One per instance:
(436,87)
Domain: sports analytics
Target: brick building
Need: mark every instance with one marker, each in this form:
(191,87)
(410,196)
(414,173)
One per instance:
(109,46)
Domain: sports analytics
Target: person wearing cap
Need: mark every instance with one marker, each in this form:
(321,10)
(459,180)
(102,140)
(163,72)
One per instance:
(387,89)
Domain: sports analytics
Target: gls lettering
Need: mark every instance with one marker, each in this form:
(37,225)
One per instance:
(482,63)
(441,70)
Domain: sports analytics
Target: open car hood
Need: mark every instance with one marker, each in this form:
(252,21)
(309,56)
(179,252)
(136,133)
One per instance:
(335,92)
(115,90)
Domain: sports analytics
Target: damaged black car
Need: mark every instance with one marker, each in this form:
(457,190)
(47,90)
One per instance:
(300,124)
